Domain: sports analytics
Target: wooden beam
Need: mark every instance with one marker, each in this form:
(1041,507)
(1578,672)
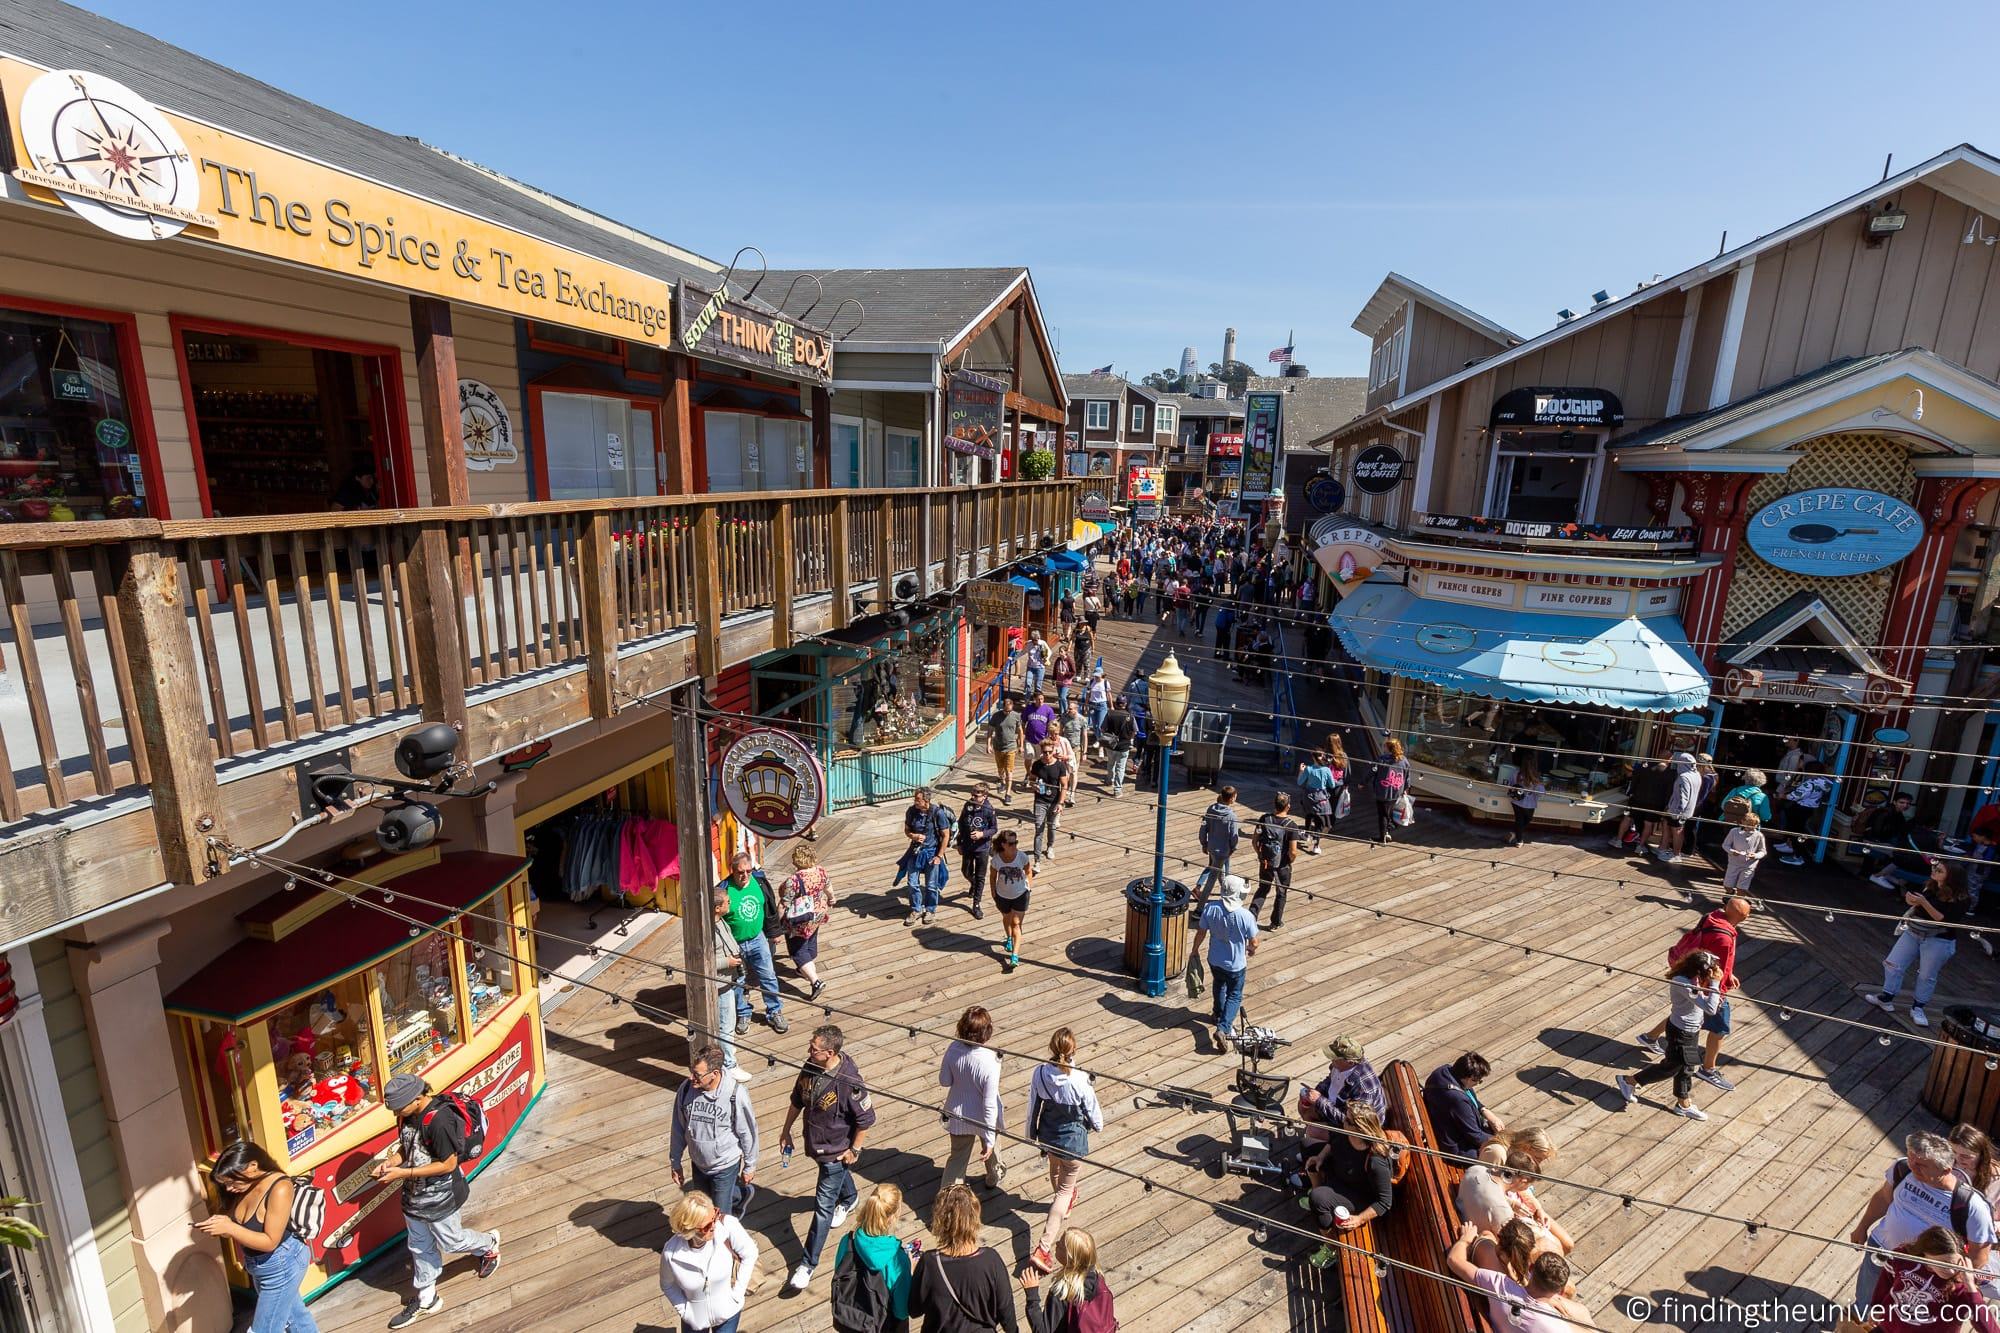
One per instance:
(438,657)
(784,570)
(698,876)
(600,614)
(885,559)
(187,806)
(1014,381)
(1034,407)
(708,592)
(924,545)
(681,476)
(953,574)
(841,562)
(437,392)
(971,335)
(998,504)
(822,430)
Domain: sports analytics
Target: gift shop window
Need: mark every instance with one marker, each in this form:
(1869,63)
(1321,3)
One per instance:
(286,424)
(595,446)
(1544,476)
(420,996)
(491,976)
(75,439)
(323,1050)
(750,452)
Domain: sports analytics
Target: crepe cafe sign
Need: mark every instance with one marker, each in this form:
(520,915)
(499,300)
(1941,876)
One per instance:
(123,165)
(715,325)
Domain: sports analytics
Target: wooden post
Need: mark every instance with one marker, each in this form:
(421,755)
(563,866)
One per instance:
(680,476)
(697,873)
(708,592)
(166,690)
(437,392)
(822,429)
(843,605)
(439,658)
(885,559)
(998,493)
(924,545)
(784,570)
(600,615)
(952,567)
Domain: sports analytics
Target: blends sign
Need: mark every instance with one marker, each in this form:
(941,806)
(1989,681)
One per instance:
(715,325)
(1835,531)
(975,407)
(1262,413)
(120,163)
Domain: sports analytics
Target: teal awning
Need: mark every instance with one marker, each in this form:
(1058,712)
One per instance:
(1645,666)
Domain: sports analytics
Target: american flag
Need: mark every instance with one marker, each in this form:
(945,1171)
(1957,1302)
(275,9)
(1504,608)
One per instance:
(1102,370)
(1281,353)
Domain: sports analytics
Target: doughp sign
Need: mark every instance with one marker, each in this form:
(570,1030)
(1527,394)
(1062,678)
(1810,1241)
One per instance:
(1835,531)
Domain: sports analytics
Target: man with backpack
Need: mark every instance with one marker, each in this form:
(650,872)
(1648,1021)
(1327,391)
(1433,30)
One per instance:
(1276,839)
(977,825)
(927,825)
(1220,833)
(1118,735)
(436,1135)
(1923,1190)
(714,1125)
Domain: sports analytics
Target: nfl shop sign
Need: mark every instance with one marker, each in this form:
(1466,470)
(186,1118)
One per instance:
(364,1214)
(773,783)
(95,147)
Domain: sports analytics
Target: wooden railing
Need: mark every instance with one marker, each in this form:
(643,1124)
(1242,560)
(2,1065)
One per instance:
(145,654)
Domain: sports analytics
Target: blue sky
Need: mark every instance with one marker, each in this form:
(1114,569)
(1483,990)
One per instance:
(1165,170)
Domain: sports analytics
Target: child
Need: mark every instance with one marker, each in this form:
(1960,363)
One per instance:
(1694,993)
(1745,846)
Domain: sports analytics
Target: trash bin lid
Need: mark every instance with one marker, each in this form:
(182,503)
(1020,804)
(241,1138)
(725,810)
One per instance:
(1139,893)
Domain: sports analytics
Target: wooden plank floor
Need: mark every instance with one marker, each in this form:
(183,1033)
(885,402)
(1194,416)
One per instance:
(581,1194)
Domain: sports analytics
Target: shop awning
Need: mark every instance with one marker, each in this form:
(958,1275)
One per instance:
(255,975)
(1068,562)
(1645,666)
(1029,584)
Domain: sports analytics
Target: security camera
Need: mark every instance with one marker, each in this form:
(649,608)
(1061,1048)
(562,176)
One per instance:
(407,826)
(427,751)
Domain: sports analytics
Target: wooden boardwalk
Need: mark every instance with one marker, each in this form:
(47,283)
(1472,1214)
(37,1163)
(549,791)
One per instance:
(581,1194)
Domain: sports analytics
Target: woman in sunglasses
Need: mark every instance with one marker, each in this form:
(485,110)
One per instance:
(706,1266)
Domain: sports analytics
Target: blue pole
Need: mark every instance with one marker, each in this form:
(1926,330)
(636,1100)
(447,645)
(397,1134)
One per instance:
(1153,976)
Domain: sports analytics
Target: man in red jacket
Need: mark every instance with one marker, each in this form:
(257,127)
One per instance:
(1717,934)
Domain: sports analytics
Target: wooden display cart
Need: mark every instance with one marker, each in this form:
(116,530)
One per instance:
(289,1036)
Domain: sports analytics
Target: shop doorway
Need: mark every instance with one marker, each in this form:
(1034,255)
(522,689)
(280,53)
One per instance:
(285,424)
(1753,732)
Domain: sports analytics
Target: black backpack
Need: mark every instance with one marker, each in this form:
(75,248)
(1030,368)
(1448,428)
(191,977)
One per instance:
(860,1295)
(1271,833)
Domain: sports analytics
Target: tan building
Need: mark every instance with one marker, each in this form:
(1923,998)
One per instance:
(1754,495)
(311,435)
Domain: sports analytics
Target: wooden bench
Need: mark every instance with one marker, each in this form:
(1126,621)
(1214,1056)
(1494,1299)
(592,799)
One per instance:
(1425,1221)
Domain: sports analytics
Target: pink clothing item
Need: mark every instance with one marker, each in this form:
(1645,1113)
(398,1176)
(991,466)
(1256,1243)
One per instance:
(649,850)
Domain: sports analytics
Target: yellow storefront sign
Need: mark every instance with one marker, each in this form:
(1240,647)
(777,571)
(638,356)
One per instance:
(87,143)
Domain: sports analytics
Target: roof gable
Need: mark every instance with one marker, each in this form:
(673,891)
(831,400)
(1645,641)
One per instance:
(1397,290)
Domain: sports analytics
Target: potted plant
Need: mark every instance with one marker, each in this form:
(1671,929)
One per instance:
(1038,465)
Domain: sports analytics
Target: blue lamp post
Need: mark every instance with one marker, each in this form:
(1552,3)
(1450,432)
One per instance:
(1167,692)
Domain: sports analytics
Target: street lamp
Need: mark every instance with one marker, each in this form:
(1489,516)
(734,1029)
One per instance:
(1167,691)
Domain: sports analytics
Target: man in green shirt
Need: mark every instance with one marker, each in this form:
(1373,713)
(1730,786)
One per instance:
(752,919)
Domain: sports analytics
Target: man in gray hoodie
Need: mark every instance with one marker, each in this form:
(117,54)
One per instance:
(1682,798)
(714,1125)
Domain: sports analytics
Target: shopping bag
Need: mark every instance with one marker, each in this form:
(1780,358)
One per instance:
(1406,811)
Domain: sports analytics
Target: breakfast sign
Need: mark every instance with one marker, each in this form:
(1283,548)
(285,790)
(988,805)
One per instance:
(89,144)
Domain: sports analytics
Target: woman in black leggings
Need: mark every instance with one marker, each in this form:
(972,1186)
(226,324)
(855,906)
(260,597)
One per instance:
(1392,783)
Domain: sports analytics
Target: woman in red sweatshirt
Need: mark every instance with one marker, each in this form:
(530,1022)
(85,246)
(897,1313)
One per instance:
(1927,1288)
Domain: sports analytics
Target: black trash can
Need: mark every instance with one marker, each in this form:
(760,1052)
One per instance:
(1173,924)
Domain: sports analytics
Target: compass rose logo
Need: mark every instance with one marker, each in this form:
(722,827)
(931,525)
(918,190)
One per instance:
(110,156)
(487,427)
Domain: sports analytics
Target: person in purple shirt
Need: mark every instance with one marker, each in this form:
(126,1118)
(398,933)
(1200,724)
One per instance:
(1037,718)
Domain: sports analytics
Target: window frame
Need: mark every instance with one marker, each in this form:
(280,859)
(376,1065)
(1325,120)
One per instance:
(1499,457)
(1090,414)
(538,436)
(1138,418)
(1166,419)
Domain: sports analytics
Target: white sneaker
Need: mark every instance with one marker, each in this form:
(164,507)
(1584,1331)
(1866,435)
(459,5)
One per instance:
(1880,879)
(839,1217)
(802,1277)
(1626,1090)
(1919,1017)
(1882,1002)
(1617,844)
(1652,1043)
(1691,1111)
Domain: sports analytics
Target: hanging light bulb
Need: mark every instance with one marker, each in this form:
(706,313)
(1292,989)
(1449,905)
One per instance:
(1829,916)
(388,897)
(1993,1062)
(1883,1039)
(414,932)
(1785,1015)
(291,884)
(1262,1234)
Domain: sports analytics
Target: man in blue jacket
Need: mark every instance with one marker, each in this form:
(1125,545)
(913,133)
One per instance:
(1461,1123)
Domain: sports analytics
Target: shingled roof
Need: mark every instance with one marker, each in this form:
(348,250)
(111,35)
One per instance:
(1314,405)
(901,305)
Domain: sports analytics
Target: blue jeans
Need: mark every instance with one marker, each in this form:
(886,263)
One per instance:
(728,1325)
(1098,712)
(758,970)
(1062,698)
(923,898)
(1031,682)
(1117,759)
(836,1190)
(1210,879)
(1228,995)
(724,1188)
(276,1275)
(1930,956)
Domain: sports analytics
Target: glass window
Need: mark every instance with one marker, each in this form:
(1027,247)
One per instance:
(323,1050)
(904,455)
(1164,420)
(758,453)
(1543,477)
(597,447)
(846,461)
(68,443)
(1097,416)
(492,976)
(1138,416)
(1489,739)
(419,1005)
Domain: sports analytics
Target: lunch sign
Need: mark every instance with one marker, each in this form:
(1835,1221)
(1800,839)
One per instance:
(1835,531)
